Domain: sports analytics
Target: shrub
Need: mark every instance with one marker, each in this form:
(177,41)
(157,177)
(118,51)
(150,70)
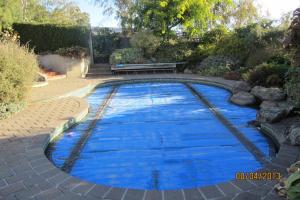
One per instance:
(48,37)
(214,71)
(218,61)
(18,67)
(267,75)
(244,43)
(126,56)
(6,109)
(234,75)
(145,41)
(292,39)
(105,42)
(292,85)
(74,52)
(175,50)
(293,186)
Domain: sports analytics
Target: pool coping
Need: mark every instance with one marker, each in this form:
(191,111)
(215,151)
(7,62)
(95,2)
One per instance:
(63,186)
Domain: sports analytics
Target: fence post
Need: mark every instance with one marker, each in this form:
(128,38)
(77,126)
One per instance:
(91,46)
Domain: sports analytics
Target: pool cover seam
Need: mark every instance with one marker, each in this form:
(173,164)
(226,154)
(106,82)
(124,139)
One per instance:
(75,153)
(233,130)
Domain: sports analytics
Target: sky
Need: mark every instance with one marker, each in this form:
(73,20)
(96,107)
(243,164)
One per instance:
(275,8)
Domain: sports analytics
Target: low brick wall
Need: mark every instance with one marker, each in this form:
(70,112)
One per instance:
(72,67)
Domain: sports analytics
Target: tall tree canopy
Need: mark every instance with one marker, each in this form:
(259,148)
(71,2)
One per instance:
(163,16)
(244,13)
(41,11)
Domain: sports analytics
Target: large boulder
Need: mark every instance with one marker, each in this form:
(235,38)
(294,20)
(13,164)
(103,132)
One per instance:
(271,112)
(243,99)
(294,134)
(241,86)
(268,94)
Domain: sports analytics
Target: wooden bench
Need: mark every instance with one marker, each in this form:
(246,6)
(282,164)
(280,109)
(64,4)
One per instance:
(144,67)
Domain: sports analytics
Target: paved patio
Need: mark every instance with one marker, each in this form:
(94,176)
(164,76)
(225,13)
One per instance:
(26,173)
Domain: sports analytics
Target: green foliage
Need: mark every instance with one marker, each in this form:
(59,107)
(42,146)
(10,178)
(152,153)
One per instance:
(73,52)
(293,186)
(292,85)
(216,66)
(245,43)
(18,67)
(218,61)
(267,75)
(104,43)
(61,12)
(292,39)
(145,41)
(65,13)
(10,11)
(46,37)
(243,13)
(126,56)
(163,16)
(214,71)
(175,50)
(209,42)
(7,109)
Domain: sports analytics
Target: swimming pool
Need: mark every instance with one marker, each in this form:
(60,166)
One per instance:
(162,136)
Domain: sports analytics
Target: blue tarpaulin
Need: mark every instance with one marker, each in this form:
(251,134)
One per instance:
(160,136)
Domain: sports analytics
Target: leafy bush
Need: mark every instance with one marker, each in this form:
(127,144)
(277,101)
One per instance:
(293,186)
(105,42)
(74,52)
(292,39)
(145,41)
(174,51)
(218,61)
(126,56)
(209,42)
(47,37)
(292,85)
(6,109)
(214,71)
(267,75)
(252,44)
(18,67)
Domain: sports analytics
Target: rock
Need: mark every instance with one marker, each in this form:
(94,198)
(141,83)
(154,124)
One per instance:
(41,77)
(294,134)
(243,99)
(241,86)
(271,112)
(268,94)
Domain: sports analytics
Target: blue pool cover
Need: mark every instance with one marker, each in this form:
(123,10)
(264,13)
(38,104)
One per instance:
(160,136)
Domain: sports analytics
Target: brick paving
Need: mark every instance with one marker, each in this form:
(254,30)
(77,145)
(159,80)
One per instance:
(26,173)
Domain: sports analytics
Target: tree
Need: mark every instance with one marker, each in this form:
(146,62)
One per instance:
(41,11)
(10,11)
(166,15)
(243,13)
(69,14)
(163,16)
(125,10)
(292,40)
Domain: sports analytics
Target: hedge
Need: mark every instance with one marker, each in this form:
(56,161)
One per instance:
(49,37)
